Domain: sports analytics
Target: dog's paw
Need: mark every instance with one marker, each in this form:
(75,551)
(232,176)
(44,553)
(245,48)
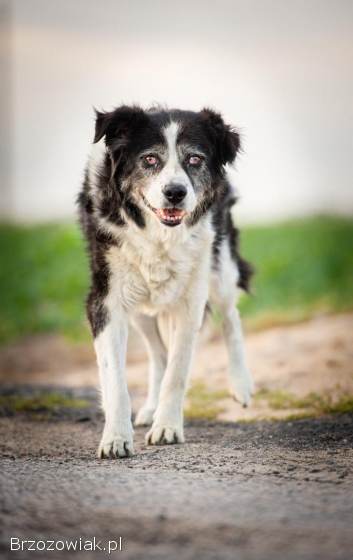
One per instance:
(144,417)
(242,387)
(114,446)
(161,434)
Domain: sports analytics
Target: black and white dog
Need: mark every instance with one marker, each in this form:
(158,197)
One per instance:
(155,208)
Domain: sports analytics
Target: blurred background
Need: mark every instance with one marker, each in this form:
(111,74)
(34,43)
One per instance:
(280,71)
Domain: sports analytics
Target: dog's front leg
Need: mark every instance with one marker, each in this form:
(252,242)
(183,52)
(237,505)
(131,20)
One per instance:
(110,346)
(167,424)
(185,323)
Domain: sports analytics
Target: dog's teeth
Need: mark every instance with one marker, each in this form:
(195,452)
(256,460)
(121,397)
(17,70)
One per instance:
(173,217)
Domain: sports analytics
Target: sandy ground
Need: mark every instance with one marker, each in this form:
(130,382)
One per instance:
(315,356)
(261,490)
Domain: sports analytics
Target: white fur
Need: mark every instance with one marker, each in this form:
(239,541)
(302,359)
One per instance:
(223,294)
(172,172)
(162,271)
(95,159)
(186,319)
(110,346)
(148,327)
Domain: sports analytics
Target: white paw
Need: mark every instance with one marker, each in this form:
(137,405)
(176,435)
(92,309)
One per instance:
(242,387)
(163,433)
(114,445)
(144,417)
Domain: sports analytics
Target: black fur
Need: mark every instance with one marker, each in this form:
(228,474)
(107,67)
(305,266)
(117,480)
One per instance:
(225,229)
(127,132)
(97,245)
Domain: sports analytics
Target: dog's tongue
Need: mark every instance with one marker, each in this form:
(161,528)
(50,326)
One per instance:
(173,214)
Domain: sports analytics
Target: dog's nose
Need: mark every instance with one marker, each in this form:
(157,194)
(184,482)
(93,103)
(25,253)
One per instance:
(174,193)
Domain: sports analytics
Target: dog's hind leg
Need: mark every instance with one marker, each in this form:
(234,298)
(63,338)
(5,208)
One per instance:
(240,376)
(148,328)
(223,295)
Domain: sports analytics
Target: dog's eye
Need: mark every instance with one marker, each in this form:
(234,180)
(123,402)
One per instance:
(150,160)
(194,160)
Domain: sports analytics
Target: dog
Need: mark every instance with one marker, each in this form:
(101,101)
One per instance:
(155,209)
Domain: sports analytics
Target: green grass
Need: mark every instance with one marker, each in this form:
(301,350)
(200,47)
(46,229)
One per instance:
(204,404)
(43,281)
(47,403)
(312,404)
(302,267)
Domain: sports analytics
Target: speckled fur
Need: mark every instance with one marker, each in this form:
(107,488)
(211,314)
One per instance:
(141,267)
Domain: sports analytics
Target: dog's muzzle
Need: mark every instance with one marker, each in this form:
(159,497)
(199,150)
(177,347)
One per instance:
(168,216)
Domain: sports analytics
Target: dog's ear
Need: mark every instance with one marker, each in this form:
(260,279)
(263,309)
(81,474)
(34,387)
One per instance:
(116,124)
(226,140)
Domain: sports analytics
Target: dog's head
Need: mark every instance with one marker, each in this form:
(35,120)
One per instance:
(167,163)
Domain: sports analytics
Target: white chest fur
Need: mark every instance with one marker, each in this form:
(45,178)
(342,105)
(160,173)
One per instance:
(153,267)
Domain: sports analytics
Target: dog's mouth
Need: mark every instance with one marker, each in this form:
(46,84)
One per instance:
(167,216)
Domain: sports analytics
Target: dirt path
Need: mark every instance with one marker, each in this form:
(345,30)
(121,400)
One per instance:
(312,357)
(262,490)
